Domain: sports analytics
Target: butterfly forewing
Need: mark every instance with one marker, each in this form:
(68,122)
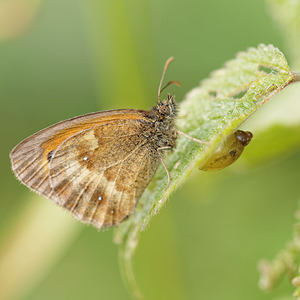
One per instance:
(30,157)
(96,165)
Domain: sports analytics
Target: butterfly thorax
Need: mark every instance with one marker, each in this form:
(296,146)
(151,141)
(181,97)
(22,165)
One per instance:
(165,129)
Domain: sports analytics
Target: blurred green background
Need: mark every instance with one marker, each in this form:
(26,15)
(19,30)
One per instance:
(63,58)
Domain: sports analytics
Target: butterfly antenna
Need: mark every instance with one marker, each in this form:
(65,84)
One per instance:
(163,75)
(169,83)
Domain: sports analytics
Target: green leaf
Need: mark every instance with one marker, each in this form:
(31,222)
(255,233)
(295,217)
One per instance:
(210,112)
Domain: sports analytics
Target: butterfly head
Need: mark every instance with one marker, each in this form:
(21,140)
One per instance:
(166,109)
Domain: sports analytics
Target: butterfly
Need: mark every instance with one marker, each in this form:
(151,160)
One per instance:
(97,165)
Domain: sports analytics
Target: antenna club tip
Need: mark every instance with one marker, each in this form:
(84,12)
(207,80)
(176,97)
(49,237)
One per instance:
(170,59)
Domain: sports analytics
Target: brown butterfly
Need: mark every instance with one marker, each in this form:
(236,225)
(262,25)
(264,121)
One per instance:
(98,165)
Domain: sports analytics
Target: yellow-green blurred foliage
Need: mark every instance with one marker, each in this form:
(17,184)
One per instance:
(63,58)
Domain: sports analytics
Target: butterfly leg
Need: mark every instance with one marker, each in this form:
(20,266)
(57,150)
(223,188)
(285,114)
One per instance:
(164,164)
(193,139)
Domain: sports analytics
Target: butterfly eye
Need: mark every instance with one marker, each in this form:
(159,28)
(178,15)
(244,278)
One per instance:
(164,109)
(229,152)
